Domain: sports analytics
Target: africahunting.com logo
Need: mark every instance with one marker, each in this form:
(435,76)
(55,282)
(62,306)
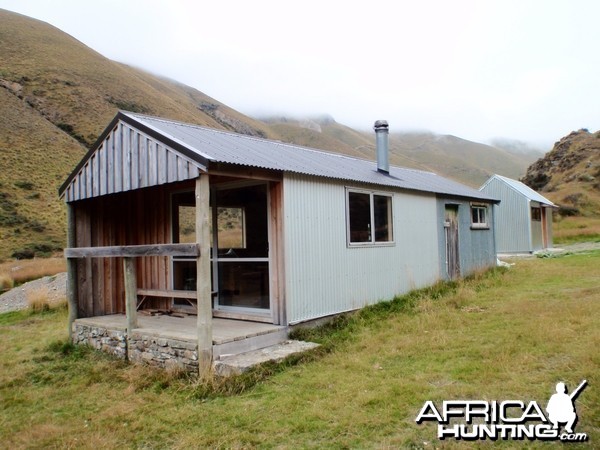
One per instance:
(509,419)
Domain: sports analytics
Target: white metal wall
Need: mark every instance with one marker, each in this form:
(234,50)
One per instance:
(128,159)
(323,276)
(512,218)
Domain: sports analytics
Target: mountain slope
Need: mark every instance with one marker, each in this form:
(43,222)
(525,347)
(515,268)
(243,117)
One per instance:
(569,175)
(34,155)
(57,95)
(79,90)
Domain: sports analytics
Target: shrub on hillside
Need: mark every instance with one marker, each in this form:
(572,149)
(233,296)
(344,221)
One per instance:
(568,211)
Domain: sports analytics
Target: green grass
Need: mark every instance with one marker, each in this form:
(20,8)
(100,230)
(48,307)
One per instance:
(506,334)
(573,230)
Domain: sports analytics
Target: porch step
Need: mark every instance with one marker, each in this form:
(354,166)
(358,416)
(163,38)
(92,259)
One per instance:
(247,341)
(237,364)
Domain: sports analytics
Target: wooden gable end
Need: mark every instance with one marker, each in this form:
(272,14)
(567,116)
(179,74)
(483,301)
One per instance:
(128,159)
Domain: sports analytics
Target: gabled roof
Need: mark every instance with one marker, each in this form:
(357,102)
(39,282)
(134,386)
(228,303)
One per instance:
(207,146)
(522,189)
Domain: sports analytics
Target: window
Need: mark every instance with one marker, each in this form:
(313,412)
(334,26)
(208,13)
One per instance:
(230,223)
(231,234)
(369,218)
(536,214)
(479,216)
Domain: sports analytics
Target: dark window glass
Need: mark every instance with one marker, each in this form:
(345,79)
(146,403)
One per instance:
(359,205)
(383,218)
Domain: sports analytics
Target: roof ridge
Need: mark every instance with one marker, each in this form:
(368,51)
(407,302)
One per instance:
(261,139)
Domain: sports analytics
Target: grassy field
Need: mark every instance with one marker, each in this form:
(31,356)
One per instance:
(570,230)
(508,334)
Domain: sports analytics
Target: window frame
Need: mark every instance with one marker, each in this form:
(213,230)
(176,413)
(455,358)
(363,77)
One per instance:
(485,225)
(372,242)
(537,217)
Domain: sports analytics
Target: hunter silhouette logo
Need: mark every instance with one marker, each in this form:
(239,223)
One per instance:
(509,419)
(561,406)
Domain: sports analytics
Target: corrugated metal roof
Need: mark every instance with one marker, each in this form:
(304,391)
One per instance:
(225,147)
(522,189)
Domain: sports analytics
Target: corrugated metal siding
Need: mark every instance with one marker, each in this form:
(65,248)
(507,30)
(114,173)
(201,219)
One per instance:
(128,159)
(524,190)
(477,248)
(512,218)
(324,276)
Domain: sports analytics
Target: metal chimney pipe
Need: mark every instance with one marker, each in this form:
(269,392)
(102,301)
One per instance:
(381,134)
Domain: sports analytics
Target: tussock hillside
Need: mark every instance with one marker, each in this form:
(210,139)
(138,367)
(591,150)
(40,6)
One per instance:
(569,175)
(57,95)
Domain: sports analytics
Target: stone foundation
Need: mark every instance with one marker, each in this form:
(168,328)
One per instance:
(109,341)
(163,352)
(140,347)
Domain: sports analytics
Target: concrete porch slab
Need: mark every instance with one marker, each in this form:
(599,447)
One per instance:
(237,364)
(185,328)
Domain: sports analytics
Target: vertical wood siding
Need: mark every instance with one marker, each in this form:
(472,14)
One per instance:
(324,276)
(131,218)
(127,160)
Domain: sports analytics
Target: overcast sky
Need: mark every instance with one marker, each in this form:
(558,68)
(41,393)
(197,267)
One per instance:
(526,70)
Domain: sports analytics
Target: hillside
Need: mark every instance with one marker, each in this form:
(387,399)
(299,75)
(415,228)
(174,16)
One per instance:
(569,175)
(57,95)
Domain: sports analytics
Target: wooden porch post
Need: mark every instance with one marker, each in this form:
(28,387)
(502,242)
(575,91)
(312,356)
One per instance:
(129,270)
(203,279)
(71,270)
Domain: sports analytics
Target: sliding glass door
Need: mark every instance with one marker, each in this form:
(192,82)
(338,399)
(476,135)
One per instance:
(240,247)
(242,262)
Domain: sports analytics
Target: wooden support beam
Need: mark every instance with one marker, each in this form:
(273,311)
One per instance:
(247,173)
(203,278)
(133,251)
(129,271)
(71,270)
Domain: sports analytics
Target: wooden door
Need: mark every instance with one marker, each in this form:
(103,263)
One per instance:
(451,233)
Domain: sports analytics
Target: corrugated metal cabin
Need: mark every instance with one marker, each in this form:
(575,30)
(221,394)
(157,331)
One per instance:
(171,216)
(523,218)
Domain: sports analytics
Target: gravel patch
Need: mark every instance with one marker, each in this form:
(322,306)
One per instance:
(581,247)
(16,299)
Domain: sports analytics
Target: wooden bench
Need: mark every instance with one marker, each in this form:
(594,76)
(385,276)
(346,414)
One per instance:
(166,293)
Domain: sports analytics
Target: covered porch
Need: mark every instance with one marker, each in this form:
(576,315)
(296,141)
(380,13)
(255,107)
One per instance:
(155,224)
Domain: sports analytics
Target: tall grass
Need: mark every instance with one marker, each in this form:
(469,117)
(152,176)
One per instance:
(14,273)
(37,300)
(6,282)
